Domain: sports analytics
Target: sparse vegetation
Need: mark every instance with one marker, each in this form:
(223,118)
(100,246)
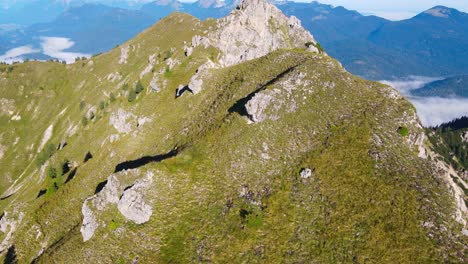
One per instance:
(51,172)
(132,95)
(82,105)
(125,87)
(47,152)
(139,87)
(84,121)
(112,97)
(167,55)
(403,131)
(167,72)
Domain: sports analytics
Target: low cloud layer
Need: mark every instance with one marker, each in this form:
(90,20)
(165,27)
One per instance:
(55,46)
(432,111)
(390,15)
(17,54)
(51,46)
(410,83)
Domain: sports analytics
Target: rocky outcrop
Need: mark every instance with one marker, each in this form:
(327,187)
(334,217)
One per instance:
(114,76)
(8,226)
(151,62)
(46,137)
(196,82)
(7,106)
(447,172)
(90,223)
(200,41)
(154,84)
(123,55)
(280,98)
(306,173)
(131,201)
(121,121)
(255,29)
(171,63)
(132,205)
(465,137)
(257,107)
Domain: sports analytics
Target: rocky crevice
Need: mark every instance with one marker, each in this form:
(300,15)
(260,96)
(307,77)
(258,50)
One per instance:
(240,108)
(140,162)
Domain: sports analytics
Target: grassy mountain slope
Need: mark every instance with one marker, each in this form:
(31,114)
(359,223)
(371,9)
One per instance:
(224,171)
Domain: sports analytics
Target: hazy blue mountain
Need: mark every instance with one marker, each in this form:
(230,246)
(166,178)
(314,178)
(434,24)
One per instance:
(435,39)
(30,12)
(432,43)
(93,27)
(456,86)
(330,24)
(429,44)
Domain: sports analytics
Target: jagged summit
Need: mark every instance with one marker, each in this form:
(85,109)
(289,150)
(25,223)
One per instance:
(256,28)
(252,30)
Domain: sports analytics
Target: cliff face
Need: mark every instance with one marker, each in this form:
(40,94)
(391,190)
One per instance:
(256,28)
(226,141)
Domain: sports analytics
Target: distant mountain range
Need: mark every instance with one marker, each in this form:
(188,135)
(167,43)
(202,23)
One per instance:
(456,86)
(432,43)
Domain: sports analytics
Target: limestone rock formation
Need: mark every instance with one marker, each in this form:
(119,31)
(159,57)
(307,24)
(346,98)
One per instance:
(255,29)
(123,55)
(121,121)
(132,205)
(130,201)
(306,173)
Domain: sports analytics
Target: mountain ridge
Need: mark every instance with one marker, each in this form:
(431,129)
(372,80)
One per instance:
(155,177)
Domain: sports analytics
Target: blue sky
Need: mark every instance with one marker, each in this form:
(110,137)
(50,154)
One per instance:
(396,9)
(392,9)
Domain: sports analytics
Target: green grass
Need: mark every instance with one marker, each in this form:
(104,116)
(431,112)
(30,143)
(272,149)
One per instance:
(403,131)
(355,208)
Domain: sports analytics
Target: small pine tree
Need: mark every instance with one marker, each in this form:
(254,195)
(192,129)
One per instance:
(112,97)
(139,87)
(84,121)
(51,173)
(132,96)
(102,105)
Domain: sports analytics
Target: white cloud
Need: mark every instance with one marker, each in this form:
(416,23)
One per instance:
(9,27)
(390,15)
(55,46)
(435,110)
(432,111)
(51,46)
(16,54)
(410,83)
